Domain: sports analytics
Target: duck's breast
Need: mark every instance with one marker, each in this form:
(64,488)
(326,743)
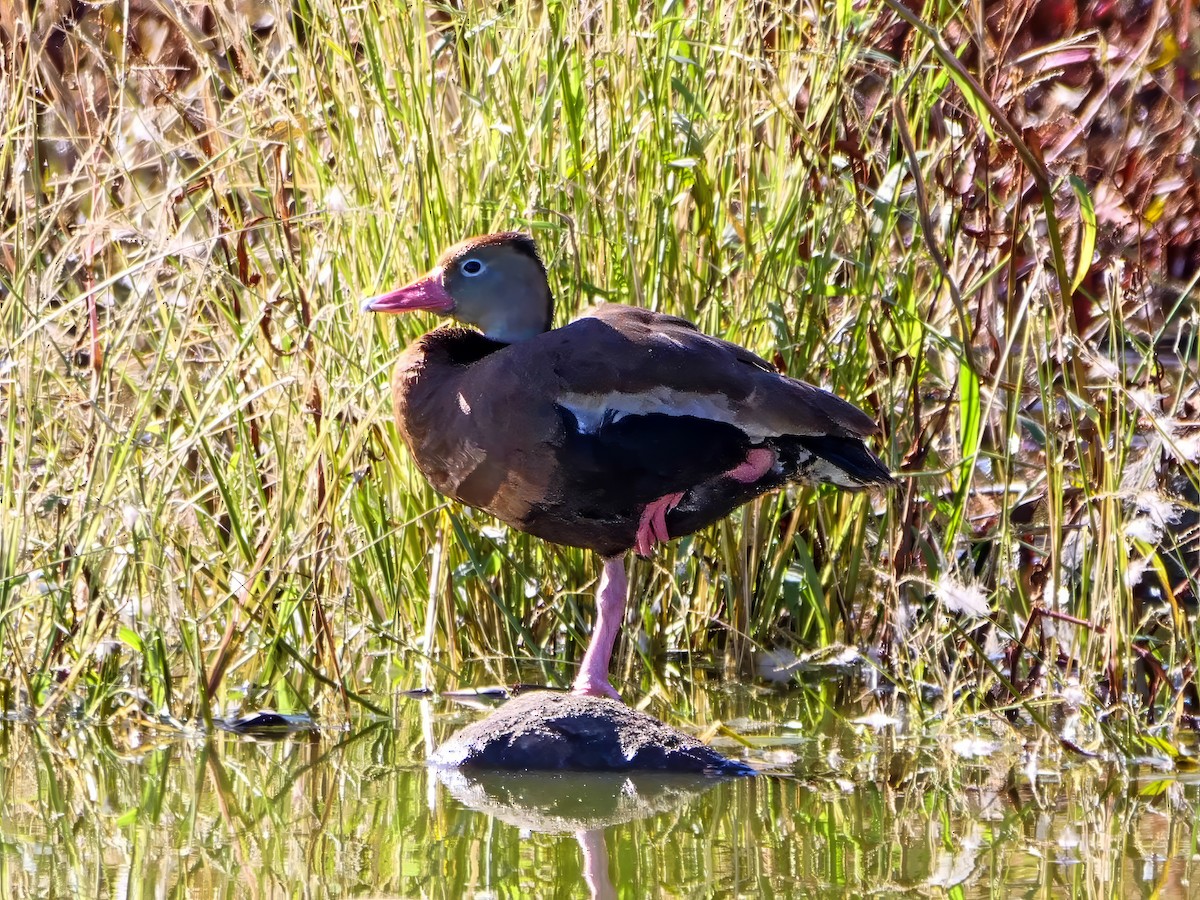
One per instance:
(484,432)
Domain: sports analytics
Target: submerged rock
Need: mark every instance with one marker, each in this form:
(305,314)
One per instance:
(548,731)
(266,723)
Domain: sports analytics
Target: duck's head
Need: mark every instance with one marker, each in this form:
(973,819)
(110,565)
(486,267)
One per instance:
(496,282)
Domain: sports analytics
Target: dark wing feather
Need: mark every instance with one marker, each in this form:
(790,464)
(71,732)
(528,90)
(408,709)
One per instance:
(635,352)
(631,461)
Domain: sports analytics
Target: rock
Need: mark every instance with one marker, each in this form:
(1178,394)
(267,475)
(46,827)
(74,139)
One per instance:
(268,724)
(547,731)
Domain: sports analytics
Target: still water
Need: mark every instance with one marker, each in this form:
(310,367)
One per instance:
(855,804)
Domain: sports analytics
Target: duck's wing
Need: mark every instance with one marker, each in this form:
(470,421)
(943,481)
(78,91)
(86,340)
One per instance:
(622,361)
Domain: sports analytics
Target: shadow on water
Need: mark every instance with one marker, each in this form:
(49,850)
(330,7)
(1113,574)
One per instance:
(856,806)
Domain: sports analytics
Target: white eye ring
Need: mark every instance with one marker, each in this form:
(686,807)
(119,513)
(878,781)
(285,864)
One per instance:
(472,267)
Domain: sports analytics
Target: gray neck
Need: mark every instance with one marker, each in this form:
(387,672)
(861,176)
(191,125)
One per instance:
(518,321)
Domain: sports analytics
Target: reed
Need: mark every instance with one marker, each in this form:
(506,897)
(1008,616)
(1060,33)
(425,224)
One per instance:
(205,506)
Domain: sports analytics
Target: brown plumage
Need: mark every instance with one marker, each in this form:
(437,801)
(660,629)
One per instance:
(622,429)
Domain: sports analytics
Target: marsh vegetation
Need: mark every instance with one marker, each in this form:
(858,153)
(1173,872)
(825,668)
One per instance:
(979,224)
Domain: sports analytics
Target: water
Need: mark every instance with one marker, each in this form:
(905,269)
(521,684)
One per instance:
(852,808)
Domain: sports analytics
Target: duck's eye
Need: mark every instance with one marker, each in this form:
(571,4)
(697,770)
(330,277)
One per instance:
(472,267)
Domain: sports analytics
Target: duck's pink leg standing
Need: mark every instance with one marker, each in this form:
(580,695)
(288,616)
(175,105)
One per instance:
(610,611)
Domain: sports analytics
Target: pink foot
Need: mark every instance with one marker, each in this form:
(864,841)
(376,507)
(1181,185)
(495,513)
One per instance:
(758,463)
(588,687)
(652,525)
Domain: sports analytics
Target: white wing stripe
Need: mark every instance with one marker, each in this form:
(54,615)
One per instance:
(590,410)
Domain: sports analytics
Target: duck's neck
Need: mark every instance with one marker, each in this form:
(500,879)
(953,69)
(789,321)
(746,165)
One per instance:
(510,323)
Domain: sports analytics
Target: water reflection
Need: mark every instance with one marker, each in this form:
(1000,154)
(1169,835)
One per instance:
(566,802)
(581,804)
(93,812)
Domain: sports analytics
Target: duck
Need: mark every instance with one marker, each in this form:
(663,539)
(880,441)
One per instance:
(620,431)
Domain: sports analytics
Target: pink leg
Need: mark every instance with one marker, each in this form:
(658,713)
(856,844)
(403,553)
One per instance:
(758,463)
(595,864)
(592,679)
(652,525)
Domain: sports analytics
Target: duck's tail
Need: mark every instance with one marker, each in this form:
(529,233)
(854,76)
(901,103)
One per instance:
(827,459)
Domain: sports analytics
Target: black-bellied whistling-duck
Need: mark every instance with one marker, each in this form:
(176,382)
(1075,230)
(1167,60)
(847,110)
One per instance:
(621,430)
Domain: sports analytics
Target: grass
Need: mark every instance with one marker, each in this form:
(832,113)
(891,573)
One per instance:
(206,508)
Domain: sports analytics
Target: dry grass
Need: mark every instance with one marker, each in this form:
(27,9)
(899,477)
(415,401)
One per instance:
(205,508)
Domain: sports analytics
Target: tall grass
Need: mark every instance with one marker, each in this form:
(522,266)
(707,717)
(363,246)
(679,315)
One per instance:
(205,505)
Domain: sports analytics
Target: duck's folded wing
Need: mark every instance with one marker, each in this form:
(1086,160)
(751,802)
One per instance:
(623,361)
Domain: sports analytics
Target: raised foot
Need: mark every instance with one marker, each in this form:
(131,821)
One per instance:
(758,463)
(590,687)
(652,525)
